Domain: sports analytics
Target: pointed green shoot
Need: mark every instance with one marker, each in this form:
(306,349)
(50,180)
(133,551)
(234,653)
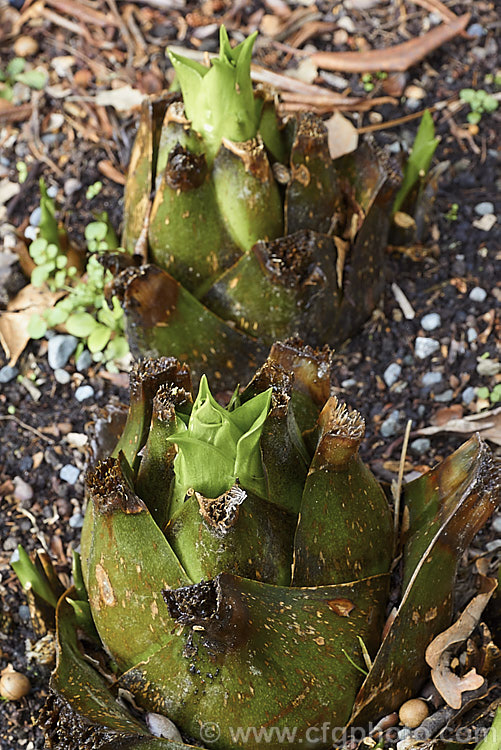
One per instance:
(31,578)
(220,446)
(419,160)
(219,100)
(48,223)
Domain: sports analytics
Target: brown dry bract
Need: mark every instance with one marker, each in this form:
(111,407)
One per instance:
(398,58)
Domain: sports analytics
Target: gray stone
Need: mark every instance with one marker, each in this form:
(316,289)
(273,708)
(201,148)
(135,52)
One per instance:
(493,546)
(76,521)
(35,217)
(488,367)
(476,29)
(60,349)
(392,374)
(425,347)
(431,321)
(84,392)
(348,383)
(24,613)
(10,544)
(431,378)
(69,473)
(31,233)
(84,361)
(420,446)
(8,373)
(390,425)
(445,396)
(477,294)
(22,490)
(496,524)
(471,335)
(62,376)
(72,185)
(484,208)
(468,395)
(52,191)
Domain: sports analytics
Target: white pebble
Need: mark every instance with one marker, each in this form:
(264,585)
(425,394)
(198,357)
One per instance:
(69,473)
(486,207)
(431,321)
(392,374)
(22,490)
(477,294)
(84,392)
(425,347)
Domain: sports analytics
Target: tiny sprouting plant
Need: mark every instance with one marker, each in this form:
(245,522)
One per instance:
(480,103)
(16,72)
(368,81)
(494,396)
(419,160)
(84,310)
(94,190)
(453,212)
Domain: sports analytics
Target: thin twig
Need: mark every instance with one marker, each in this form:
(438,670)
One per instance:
(28,427)
(398,489)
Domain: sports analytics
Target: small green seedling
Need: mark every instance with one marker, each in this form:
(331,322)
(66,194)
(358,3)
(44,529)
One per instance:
(15,73)
(480,103)
(453,212)
(494,396)
(84,311)
(419,160)
(368,79)
(94,190)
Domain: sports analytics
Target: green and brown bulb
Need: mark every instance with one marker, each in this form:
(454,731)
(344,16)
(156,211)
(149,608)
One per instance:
(255,233)
(237,564)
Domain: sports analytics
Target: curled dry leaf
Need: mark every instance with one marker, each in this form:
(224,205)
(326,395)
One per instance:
(487,423)
(14,321)
(440,651)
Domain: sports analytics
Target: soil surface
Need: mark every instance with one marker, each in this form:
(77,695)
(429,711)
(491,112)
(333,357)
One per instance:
(452,278)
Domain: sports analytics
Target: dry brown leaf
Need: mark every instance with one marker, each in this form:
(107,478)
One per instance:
(487,423)
(343,135)
(14,321)
(398,58)
(440,652)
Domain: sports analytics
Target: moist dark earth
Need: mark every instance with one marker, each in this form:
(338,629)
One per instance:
(454,274)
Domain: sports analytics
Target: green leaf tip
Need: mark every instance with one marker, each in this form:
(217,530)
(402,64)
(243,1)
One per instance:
(219,100)
(220,447)
(30,577)
(420,158)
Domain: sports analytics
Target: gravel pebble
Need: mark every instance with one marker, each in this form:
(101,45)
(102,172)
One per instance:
(431,321)
(390,426)
(420,445)
(62,376)
(60,349)
(431,378)
(69,473)
(392,374)
(24,613)
(477,294)
(425,347)
(496,525)
(22,490)
(8,373)
(476,29)
(488,367)
(84,361)
(348,383)
(486,207)
(84,392)
(35,217)
(72,185)
(445,396)
(468,395)
(471,335)
(76,521)
(31,233)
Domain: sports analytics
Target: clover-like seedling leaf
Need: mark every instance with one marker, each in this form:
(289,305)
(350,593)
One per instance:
(81,324)
(37,327)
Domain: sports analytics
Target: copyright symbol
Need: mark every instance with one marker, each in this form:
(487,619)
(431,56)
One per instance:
(209,731)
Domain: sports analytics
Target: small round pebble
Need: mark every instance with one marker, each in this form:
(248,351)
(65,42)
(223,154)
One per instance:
(471,335)
(425,347)
(24,612)
(420,445)
(31,233)
(22,490)
(349,383)
(476,29)
(477,294)
(36,216)
(62,376)
(60,349)
(431,321)
(25,46)
(496,525)
(84,361)
(392,374)
(84,392)
(412,713)
(72,185)
(445,396)
(69,473)
(76,521)
(484,208)
(431,378)
(8,373)
(390,425)
(468,395)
